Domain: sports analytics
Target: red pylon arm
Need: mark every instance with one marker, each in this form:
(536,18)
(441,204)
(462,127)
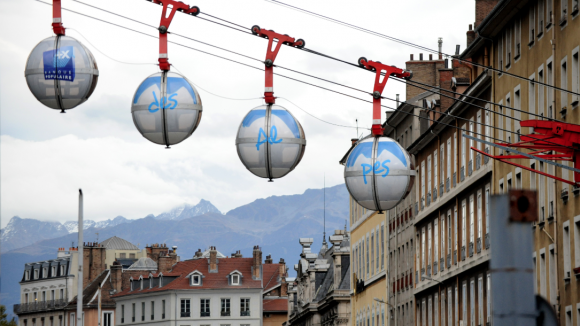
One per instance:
(164,26)
(501,159)
(271,56)
(57,27)
(380,83)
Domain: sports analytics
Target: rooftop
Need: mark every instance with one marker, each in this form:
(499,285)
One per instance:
(117,243)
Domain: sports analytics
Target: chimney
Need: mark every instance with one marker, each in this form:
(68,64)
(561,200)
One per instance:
(268,259)
(282,276)
(353,141)
(257,263)
(116,276)
(482,9)
(239,254)
(198,253)
(470,35)
(306,243)
(440,41)
(213,260)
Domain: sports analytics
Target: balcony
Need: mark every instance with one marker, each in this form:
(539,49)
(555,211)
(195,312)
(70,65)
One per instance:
(442,263)
(462,253)
(477,161)
(575,190)
(434,194)
(487,241)
(486,158)
(183,314)
(448,261)
(225,313)
(434,268)
(204,314)
(563,20)
(422,274)
(462,173)
(428,270)
(478,245)
(441,189)
(39,306)
(416,208)
(564,195)
(454,257)
(245,313)
(428,198)
(454,179)
(574,10)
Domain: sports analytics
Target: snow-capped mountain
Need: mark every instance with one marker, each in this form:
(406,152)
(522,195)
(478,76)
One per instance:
(21,232)
(73,226)
(187,211)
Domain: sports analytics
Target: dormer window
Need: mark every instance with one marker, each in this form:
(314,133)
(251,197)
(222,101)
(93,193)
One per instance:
(160,280)
(45,272)
(53,271)
(36,274)
(141,283)
(62,272)
(235,278)
(195,278)
(131,281)
(27,275)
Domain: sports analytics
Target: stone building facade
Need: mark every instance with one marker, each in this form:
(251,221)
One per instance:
(320,294)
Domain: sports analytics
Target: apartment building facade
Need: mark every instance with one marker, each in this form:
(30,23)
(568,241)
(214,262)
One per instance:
(320,294)
(539,40)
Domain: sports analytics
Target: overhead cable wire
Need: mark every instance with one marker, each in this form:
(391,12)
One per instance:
(415,45)
(310,84)
(340,60)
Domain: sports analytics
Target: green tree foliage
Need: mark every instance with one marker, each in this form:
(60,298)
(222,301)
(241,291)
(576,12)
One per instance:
(3,320)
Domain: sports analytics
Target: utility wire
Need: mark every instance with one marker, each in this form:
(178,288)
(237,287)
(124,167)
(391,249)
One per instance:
(310,84)
(103,53)
(330,123)
(415,45)
(340,60)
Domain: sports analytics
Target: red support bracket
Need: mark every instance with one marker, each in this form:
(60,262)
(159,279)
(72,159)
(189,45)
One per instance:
(57,27)
(383,72)
(164,26)
(271,56)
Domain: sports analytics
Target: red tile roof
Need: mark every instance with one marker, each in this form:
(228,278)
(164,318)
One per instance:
(212,280)
(272,305)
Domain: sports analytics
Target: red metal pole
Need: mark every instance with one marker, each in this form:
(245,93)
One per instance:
(57,27)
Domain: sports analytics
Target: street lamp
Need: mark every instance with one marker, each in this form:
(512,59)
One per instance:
(381,301)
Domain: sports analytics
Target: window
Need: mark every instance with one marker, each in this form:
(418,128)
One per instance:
(518,38)
(463,220)
(152,310)
(27,275)
(541,18)
(123,255)
(383,247)
(435,173)
(563,12)
(62,270)
(142,311)
(480,299)
(552,276)
(472,301)
(532,26)
(53,271)
(455,228)
(450,319)
(162,309)
(541,193)
(72,322)
(245,307)
(367,257)
(122,313)
(449,243)
(500,122)
(225,311)
(36,274)
(564,81)
(471,219)
(566,245)
(132,256)
(51,294)
(443,237)
(45,272)
(235,279)
(542,273)
(423,248)
(43,295)
(429,244)
(377,245)
(422,183)
(550,81)
(455,155)
(508,48)
(500,53)
(463,151)
(107,319)
(501,190)
(448,160)
(464,302)
(186,308)
(372,249)
(204,308)
(575,76)
(435,241)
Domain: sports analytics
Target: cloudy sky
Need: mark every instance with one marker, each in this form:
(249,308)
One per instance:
(46,156)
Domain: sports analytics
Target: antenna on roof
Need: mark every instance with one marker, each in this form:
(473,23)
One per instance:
(356,126)
(324,214)
(97,237)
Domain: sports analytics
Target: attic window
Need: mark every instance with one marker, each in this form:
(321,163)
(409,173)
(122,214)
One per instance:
(27,277)
(141,283)
(235,279)
(131,285)
(195,280)
(160,280)
(61,270)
